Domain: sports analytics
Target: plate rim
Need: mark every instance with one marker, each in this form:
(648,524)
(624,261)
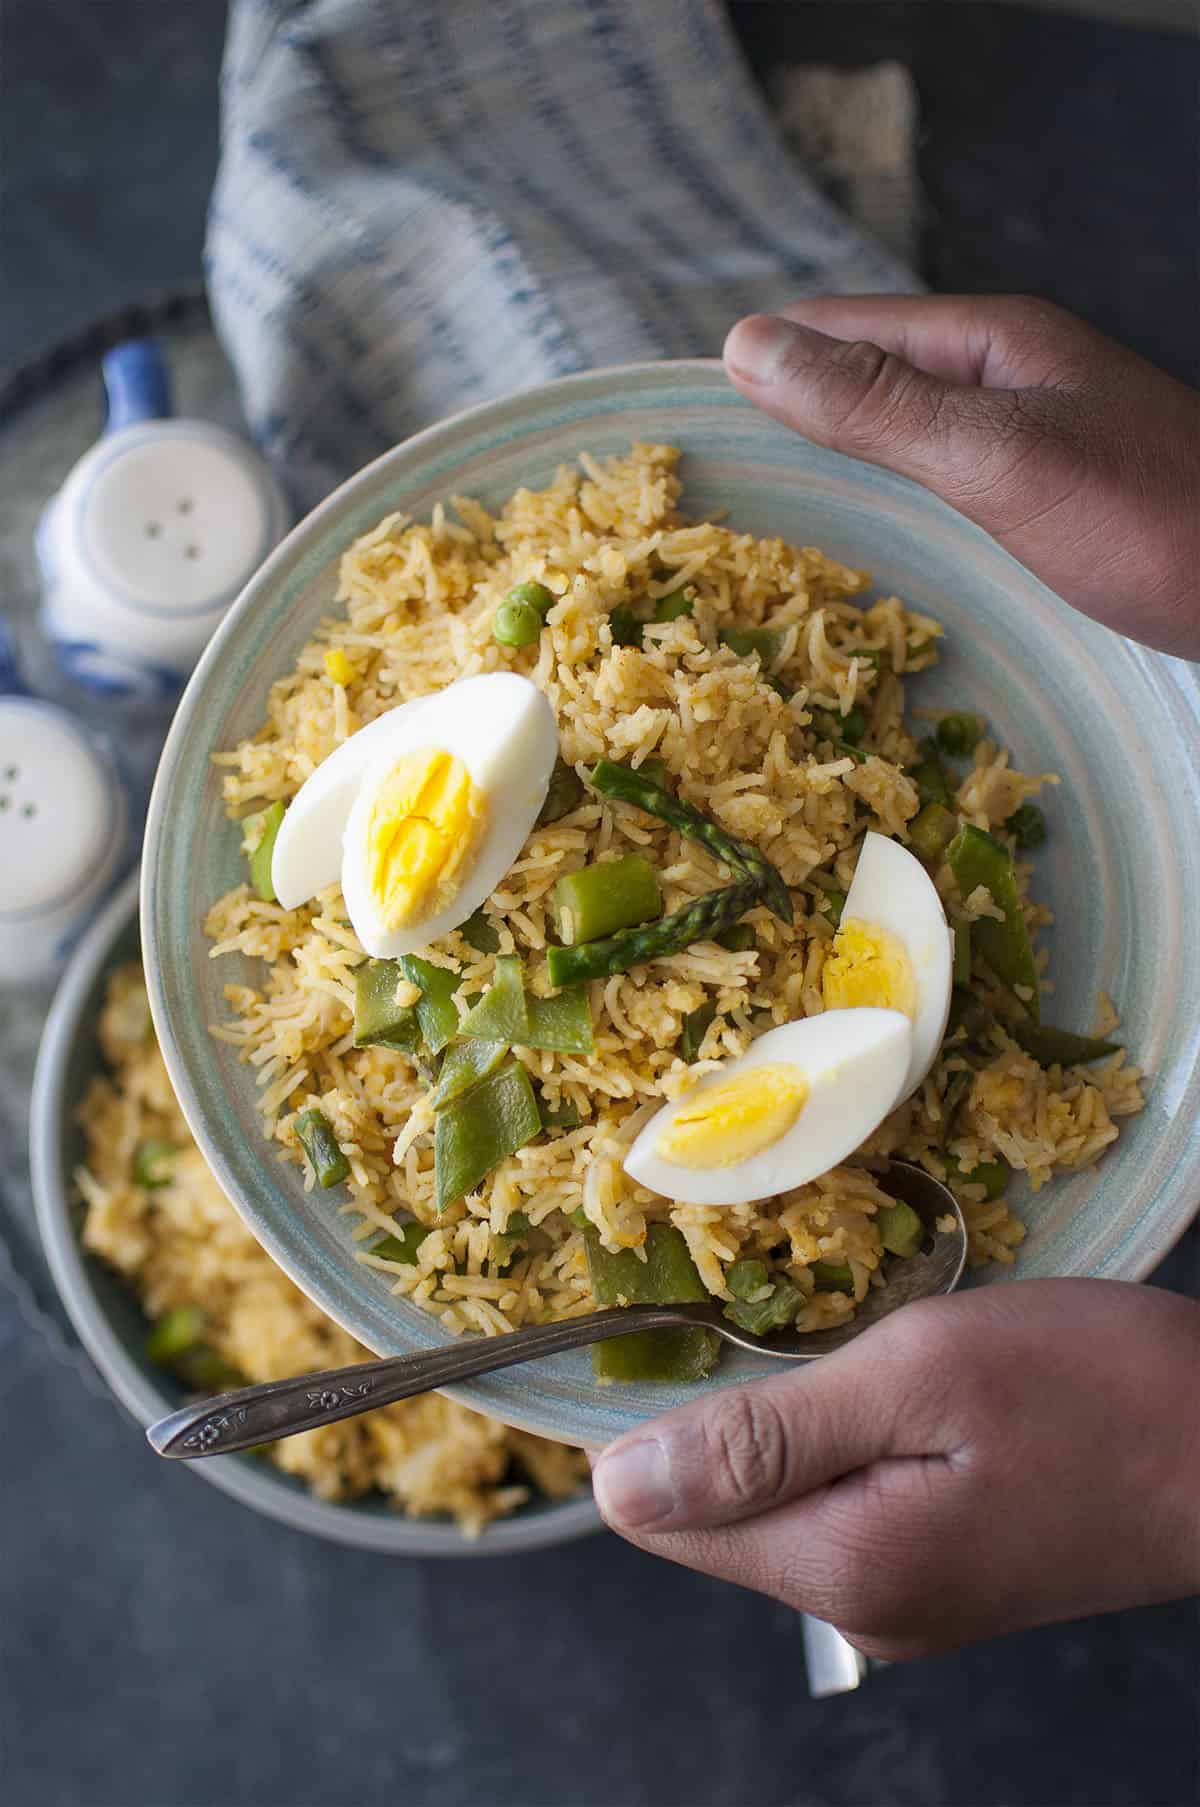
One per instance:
(706,373)
(265,1492)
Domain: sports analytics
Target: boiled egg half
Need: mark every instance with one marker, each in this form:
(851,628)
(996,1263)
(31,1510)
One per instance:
(802,1098)
(428,805)
(894,949)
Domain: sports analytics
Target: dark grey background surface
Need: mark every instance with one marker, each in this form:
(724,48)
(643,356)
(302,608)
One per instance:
(160,1646)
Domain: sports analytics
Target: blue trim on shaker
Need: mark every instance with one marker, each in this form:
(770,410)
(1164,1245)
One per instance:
(137,384)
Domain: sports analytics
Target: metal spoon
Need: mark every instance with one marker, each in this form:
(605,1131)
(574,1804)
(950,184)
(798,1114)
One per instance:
(281,1408)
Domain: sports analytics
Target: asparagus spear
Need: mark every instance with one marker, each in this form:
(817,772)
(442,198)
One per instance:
(702,920)
(628,786)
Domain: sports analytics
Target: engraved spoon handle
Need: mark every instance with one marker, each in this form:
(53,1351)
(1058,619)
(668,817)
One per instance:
(280,1408)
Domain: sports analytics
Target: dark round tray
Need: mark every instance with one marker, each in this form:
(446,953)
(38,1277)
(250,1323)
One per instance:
(51,410)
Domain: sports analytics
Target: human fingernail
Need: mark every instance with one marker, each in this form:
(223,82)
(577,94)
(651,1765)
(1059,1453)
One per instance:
(632,1483)
(761,347)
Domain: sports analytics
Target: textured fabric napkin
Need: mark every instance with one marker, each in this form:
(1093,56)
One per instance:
(427,203)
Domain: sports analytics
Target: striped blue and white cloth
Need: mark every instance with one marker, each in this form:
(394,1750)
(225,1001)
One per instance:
(422,204)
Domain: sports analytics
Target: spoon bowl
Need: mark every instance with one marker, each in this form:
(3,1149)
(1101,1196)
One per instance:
(282,1408)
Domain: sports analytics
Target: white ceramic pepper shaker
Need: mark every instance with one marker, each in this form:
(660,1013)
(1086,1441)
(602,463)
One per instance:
(151,537)
(64,830)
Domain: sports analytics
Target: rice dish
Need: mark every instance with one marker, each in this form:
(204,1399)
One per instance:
(757,743)
(185,1252)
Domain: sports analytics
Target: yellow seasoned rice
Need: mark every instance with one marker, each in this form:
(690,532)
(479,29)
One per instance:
(182,1245)
(416,605)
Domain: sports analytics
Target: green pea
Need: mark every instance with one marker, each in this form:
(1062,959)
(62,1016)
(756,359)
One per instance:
(536,595)
(957,734)
(991,1175)
(516,623)
(154,1162)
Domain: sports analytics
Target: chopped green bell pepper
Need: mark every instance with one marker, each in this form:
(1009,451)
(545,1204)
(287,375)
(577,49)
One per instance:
(561,1024)
(565,793)
(834,902)
(625,627)
(745,641)
(668,1275)
(1027,826)
(465,1063)
(1058,1047)
(853,726)
(435,1008)
(402,1247)
(480,932)
(695,1028)
(325,1157)
(976,859)
(674,1357)
(760,1316)
(519,1233)
(502,1014)
(258,844)
(377,1016)
(674,604)
(833,1277)
(480,1128)
(561,1116)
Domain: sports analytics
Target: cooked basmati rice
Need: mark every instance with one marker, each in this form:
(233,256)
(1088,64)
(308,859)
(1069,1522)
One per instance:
(751,747)
(181,1245)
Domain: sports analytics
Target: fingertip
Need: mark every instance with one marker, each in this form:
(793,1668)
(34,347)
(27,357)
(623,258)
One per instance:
(765,351)
(632,1484)
(751,349)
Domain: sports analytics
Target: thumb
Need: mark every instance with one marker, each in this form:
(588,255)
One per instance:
(857,398)
(743,1450)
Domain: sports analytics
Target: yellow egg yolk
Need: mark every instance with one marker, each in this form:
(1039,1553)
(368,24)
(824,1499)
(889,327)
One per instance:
(868,966)
(735,1118)
(425,822)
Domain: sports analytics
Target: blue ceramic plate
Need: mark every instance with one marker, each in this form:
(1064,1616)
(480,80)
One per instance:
(1121,868)
(112,1328)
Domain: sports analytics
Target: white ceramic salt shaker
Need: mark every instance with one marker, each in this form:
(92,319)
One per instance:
(64,830)
(151,537)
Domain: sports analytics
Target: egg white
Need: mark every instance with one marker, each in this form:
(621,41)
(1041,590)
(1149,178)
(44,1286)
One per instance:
(307,857)
(892,889)
(855,1063)
(503,730)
